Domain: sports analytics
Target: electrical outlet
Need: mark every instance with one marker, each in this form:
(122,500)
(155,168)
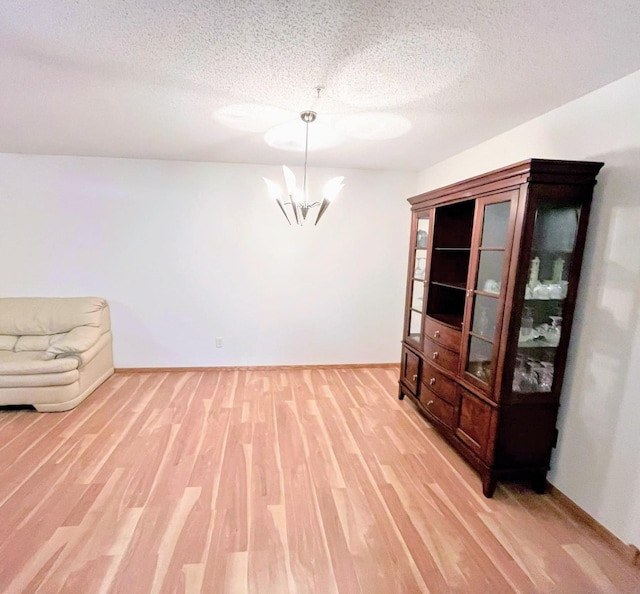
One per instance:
(218,342)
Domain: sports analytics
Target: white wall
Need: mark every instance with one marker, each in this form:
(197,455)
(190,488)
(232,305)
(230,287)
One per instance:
(597,462)
(186,252)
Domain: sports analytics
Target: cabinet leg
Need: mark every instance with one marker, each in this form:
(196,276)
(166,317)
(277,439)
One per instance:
(539,482)
(489,484)
(400,395)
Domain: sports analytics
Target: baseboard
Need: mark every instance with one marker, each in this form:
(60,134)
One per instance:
(627,551)
(255,368)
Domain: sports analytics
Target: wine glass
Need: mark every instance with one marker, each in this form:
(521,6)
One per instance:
(553,334)
(518,373)
(529,381)
(526,325)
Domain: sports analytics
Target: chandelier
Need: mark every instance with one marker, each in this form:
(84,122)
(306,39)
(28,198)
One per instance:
(297,200)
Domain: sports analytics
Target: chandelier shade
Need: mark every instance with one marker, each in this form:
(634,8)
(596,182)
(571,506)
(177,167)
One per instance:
(294,198)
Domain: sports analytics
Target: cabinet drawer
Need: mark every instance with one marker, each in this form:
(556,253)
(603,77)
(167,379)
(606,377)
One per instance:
(439,408)
(442,334)
(437,354)
(474,423)
(440,384)
(410,368)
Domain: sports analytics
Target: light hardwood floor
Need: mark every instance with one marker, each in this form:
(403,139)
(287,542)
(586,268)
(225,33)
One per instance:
(278,481)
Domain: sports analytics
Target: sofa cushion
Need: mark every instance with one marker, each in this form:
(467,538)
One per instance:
(32,343)
(39,379)
(49,315)
(33,362)
(7,342)
(35,343)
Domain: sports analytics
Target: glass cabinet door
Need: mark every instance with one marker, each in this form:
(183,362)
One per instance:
(485,295)
(417,278)
(548,282)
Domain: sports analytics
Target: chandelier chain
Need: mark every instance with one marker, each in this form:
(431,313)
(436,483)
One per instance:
(306,157)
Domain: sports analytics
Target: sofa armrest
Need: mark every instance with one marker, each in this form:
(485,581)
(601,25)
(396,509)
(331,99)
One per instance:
(86,356)
(78,342)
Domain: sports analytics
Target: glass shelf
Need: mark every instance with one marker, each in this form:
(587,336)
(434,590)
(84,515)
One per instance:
(481,337)
(451,285)
(535,344)
(452,249)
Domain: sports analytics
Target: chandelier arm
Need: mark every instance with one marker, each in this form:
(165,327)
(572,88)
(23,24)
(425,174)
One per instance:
(284,212)
(294,207)
(323,207)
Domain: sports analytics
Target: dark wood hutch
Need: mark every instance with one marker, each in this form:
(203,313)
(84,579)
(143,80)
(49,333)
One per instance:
(494,264)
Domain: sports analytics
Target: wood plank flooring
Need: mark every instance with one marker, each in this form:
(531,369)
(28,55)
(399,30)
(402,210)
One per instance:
(270,481)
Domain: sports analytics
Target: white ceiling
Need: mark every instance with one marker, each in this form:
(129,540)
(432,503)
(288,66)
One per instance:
(168,79)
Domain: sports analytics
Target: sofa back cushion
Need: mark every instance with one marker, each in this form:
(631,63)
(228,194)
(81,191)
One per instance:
(42,316)
(36,343)
(7,342)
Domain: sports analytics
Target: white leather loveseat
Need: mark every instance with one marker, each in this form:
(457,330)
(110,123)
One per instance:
(54,351)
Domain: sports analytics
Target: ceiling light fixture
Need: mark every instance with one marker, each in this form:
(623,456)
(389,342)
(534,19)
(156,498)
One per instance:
(298,200)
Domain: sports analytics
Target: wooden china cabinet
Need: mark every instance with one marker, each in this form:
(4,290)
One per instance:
(494,264)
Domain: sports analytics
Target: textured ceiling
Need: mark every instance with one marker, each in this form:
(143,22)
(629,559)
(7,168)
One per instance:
(205,80)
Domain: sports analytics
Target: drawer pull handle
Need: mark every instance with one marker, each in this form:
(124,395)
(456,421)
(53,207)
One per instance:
(432,381)
(435,355)
(430,403)
(436,334)
(415,377)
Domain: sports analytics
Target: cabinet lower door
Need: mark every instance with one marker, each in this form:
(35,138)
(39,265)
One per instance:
(410,370)
(475,427)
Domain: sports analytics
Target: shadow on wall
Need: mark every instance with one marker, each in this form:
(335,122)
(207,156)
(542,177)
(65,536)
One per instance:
(600,417)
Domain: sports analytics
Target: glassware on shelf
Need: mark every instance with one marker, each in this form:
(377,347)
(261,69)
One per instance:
(546,376)
(534,272)
(540,291)
(482,370)
(518,373)
(529,382)
(526,326)
(553,333)
(420,268)
(491,286)
(558,267)
(555,291)
(535,369)
(525,376)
